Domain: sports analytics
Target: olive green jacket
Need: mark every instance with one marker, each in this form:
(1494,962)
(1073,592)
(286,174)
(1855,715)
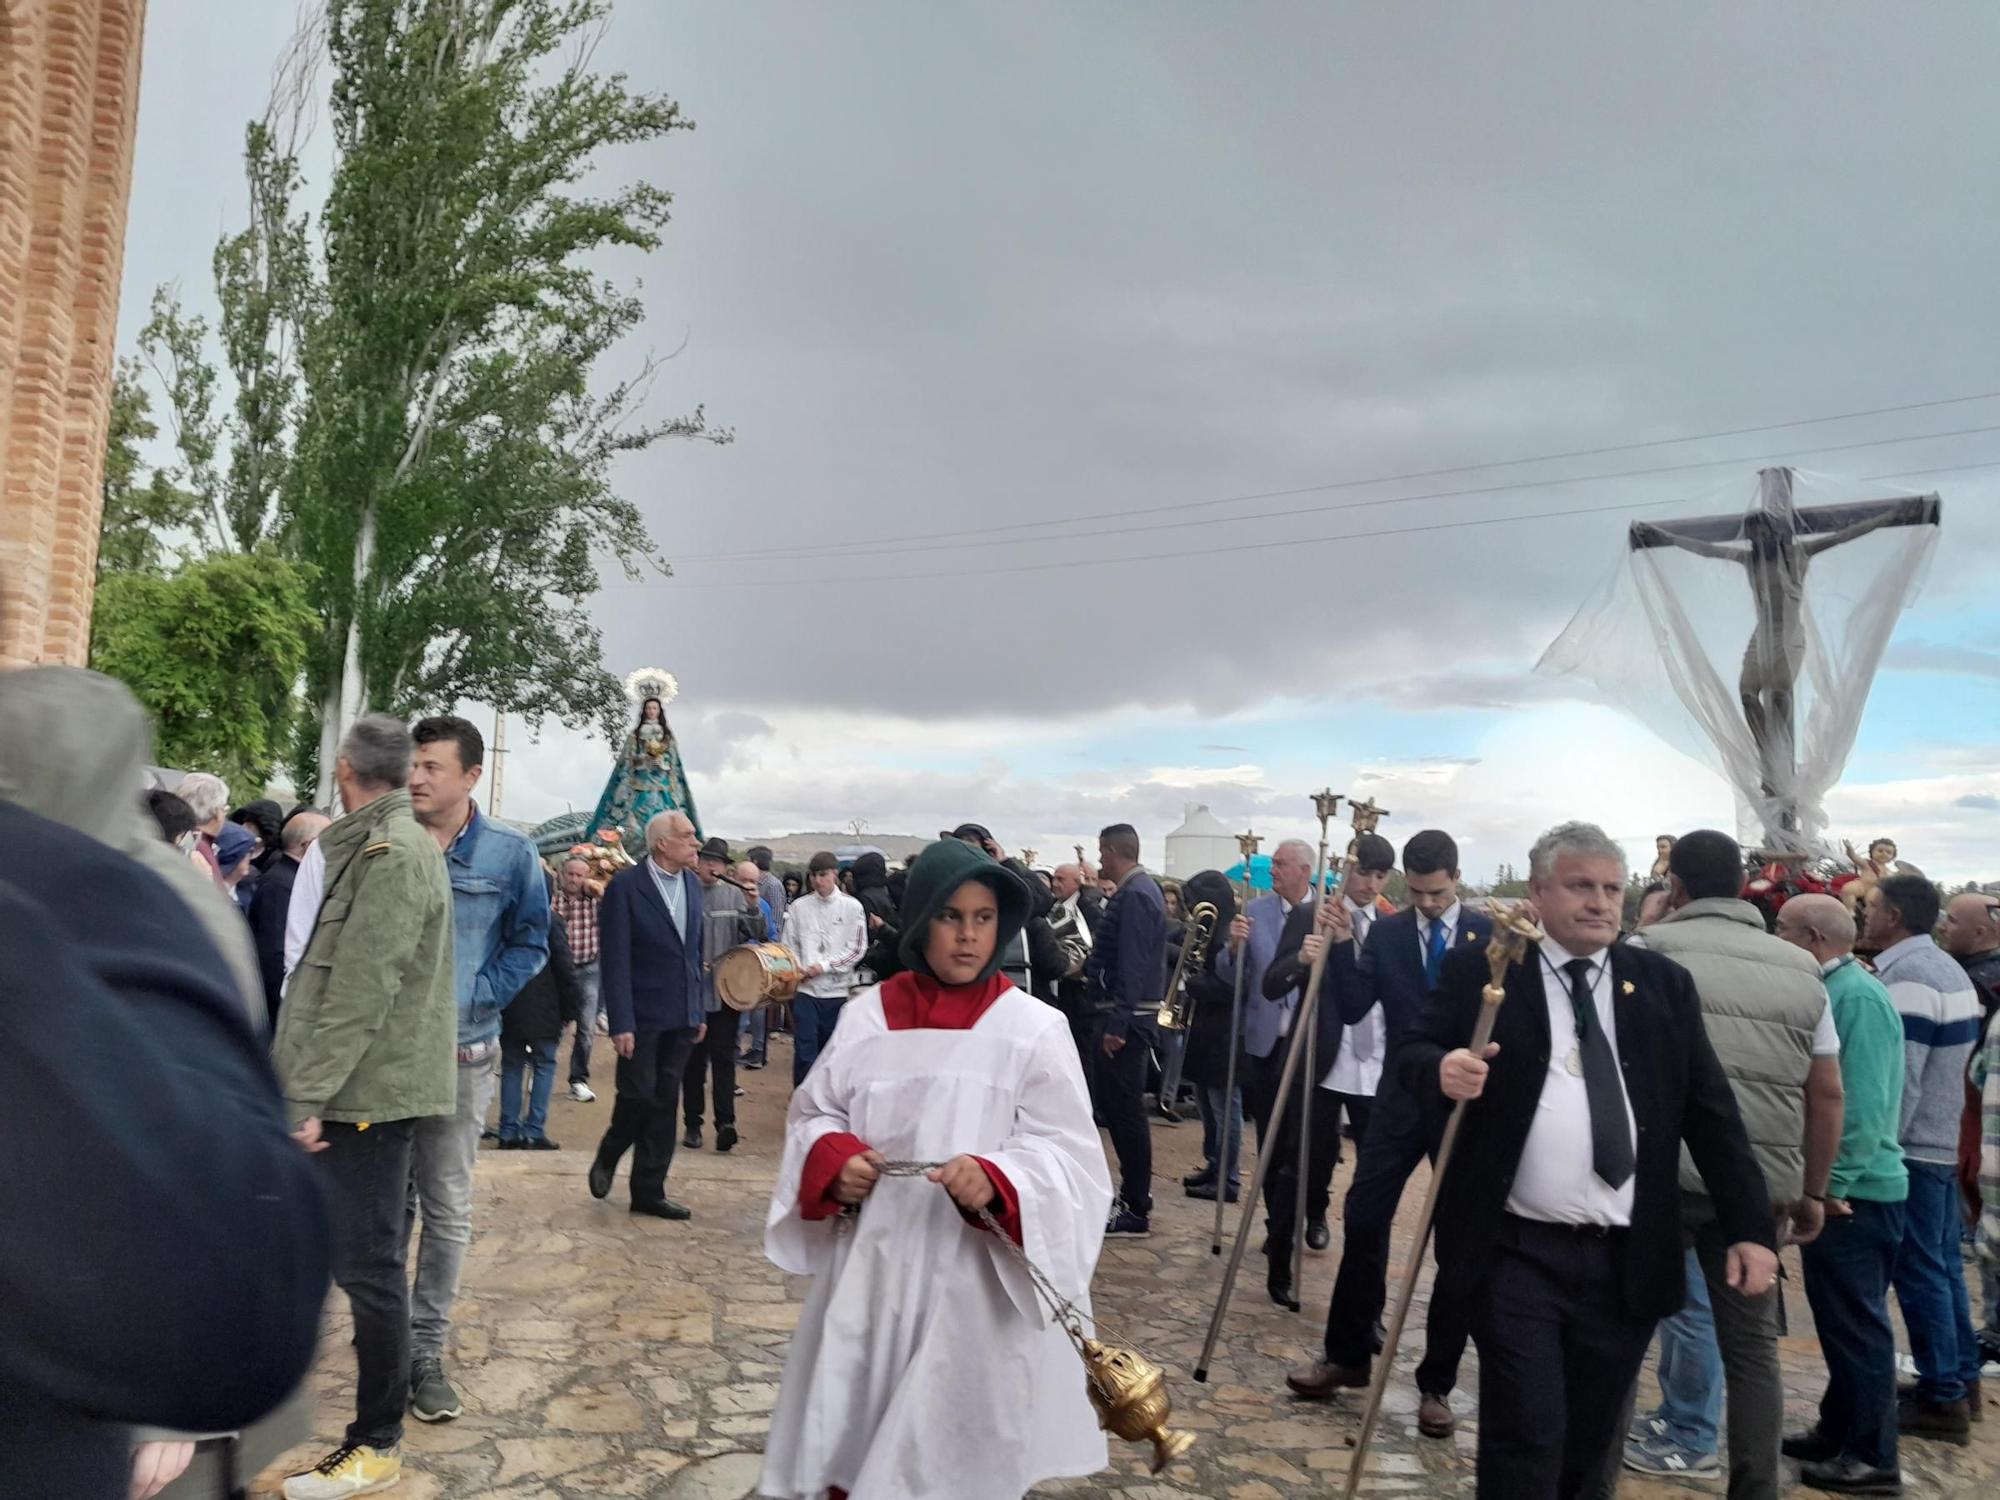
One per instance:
(368,1031)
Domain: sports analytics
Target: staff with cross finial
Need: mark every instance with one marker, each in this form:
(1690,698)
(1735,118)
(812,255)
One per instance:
(1247,842)
(1326,803)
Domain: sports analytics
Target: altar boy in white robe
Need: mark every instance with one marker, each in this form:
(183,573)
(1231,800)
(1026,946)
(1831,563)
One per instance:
(924,1365)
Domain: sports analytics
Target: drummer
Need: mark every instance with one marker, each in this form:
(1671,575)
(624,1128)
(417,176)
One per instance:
(730,916)
(752,877)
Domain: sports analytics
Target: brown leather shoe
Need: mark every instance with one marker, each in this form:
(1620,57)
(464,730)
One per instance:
(1320,1379)
(1434,1418)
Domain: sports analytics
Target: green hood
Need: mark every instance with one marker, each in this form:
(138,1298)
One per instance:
(941,870)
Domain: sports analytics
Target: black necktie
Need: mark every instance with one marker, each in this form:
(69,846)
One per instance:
(1610,1136)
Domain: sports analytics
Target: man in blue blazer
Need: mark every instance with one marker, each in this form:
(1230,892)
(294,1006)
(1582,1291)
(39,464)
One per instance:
(1253,941)
(649,965)
(1396,969)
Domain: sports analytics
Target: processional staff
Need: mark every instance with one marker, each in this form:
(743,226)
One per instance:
(1247,842)
(1513,930)
(1325,803)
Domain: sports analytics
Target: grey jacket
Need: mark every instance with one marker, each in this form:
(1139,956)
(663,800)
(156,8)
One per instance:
(1761,1000)
(728,920)
(74,746)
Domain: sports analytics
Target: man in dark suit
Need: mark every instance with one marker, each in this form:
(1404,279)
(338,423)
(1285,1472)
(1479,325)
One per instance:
(271,902)
(650,966)
(1383,982)
(1559,1215)
(1128,975)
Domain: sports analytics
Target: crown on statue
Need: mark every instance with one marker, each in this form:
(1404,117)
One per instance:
(652,682)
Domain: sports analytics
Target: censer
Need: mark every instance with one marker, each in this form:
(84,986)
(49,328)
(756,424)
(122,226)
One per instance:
(1127,1390)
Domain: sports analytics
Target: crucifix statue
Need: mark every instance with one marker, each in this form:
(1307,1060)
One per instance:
(1775,543)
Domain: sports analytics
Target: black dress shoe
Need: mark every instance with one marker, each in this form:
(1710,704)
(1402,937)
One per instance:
(1318,1236)
(1848,1475)
(725,1137)
(541,1143)
(512,1143)
(1203,1178)
(1206,1192)
(692,1140)
(1278,1282)
(666,1208)
(600,1177)
(1811,1446)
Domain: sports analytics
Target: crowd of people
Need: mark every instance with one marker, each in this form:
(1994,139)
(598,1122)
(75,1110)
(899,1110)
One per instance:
(1664,1105)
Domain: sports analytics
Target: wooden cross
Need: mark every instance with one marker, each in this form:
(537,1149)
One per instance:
(1775,544)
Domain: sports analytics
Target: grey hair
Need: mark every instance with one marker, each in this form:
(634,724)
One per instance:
(1308,856)
(206,796)
(1583,839)
(378,751)
(663,820)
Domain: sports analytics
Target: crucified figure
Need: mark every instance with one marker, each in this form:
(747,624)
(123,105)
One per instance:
(1775,545)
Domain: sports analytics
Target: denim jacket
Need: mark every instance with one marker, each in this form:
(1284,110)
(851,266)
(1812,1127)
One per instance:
(500,922)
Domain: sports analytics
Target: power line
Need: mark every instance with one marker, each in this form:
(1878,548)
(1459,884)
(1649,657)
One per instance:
(1346,484)
(791,554)
(1066,564)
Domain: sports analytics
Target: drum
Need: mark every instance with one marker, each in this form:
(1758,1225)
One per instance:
(757,974)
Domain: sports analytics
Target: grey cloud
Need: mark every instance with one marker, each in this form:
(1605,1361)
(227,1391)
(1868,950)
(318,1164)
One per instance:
(1927,656)
(946,268)
(1978,802)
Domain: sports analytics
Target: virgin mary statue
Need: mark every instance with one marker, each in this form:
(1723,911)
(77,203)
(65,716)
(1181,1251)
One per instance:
(647,777)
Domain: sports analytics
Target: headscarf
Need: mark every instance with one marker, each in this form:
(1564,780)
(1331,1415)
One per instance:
(939,871)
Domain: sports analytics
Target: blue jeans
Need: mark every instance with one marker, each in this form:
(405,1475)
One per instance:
(1930,1284)
(517,1059)
(1208,1099)
(813,1020)
(756,1027)
(1691,1369)
(588,977)
(1847,1272)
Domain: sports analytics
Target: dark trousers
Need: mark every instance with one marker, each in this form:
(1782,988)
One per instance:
(1120,1097)
(1746,1332)
(1281,1179)
(1847,1271)
(642,1117)
(1393,1139)
(813,1020)
(1558,1350)
(367,1174)
(714,1056)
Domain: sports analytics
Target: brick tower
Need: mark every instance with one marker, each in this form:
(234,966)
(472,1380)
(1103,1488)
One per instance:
(69,104)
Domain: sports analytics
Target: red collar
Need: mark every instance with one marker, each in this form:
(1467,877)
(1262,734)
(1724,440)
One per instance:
(912,1001)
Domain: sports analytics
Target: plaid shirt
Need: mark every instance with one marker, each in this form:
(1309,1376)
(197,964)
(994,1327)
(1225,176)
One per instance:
(579,914)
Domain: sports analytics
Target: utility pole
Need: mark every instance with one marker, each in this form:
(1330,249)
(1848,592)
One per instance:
(499,753)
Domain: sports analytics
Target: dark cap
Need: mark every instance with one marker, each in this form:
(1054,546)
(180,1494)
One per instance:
(823,860)
(973,831)
(715,848)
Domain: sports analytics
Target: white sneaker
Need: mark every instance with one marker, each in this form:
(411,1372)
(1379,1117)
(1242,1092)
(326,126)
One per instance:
(351,1469)
(582,1093)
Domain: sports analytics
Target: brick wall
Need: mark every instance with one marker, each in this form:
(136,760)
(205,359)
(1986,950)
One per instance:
(69,96)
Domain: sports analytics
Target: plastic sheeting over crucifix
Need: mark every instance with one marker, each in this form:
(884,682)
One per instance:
(1749,638)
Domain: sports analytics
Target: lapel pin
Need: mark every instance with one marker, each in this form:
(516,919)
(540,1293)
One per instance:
(1629,987)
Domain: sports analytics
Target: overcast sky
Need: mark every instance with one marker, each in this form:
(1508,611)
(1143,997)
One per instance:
(1011,307)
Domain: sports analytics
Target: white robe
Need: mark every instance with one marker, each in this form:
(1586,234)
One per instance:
(924,1364)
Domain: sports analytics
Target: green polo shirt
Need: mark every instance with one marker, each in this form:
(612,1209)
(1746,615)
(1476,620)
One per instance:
(1870,1164)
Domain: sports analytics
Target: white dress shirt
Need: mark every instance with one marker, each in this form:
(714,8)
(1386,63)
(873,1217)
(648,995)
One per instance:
(302,916)
(1556,1180)
(1358,1067)
(673,891)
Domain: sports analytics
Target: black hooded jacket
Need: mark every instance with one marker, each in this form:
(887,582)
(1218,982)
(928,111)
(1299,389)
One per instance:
(871,889)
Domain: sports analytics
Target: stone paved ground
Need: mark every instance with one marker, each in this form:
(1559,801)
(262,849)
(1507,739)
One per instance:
(599,1355)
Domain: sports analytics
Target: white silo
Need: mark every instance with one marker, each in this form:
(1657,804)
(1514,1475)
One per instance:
(1200,843)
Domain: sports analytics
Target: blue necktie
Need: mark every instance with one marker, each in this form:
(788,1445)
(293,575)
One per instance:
(1434,953)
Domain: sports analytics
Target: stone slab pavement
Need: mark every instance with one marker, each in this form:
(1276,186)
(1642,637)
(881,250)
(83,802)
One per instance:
(603,1355)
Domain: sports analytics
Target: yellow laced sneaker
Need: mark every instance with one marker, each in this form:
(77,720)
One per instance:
(351,1469)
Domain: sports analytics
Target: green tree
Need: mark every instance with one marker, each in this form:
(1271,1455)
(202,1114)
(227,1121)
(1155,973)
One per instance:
(214,651)
(417,416)
(136,514)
